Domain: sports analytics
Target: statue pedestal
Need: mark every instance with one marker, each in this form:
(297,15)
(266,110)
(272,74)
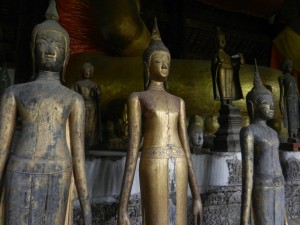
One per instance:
(289,146)
(290,163)
(228,136)
(219,175)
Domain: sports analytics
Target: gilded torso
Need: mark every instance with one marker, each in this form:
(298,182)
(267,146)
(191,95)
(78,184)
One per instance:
(43,107)
(160,114)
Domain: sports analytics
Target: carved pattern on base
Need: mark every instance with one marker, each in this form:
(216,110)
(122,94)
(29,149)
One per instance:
(291,171)
(221,205)
(235,171)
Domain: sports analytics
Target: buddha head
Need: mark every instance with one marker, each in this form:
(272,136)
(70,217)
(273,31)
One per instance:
(50,44)
(287,66)
(156,59)
(259,100)
(87,70)
(195,133)
(221,38)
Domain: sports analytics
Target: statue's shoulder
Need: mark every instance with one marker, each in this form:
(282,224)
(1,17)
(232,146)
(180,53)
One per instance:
(248,130)
(15,88)
(135,96)
(177,99)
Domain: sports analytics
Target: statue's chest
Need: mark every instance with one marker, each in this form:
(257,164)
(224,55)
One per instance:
(160,106)
(266,140)
(53,104)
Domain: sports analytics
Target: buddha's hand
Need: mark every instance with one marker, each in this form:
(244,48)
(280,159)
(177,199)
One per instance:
(87,211)
(123,218)
(197,212)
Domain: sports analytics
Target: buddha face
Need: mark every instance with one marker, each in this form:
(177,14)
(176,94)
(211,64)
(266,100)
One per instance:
(195,133)
(196,138)
(222,41)
(159,66)
(265,107)
(50,50)
(87,72)
(288,66)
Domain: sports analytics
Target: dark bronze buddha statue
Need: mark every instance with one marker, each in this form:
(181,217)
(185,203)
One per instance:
(289,100)
(263,183)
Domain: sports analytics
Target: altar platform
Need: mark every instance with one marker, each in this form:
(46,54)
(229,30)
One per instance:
(219,179)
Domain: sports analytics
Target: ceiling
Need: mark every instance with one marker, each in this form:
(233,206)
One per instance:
(187,27)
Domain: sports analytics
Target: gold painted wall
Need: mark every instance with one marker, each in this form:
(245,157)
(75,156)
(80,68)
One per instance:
(189,79)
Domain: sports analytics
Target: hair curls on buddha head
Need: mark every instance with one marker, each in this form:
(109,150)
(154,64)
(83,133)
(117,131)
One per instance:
(156,44)
(257,93)
(51,23)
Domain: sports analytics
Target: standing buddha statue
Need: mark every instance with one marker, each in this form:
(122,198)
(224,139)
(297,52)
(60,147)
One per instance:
(91,94)
(289,100)
(37,173)
(225,73)
(262,178)
(165,164)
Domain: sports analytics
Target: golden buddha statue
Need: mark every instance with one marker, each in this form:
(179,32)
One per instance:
(165,164)
(225,73)
(91,94)
(262,181)
(37,173)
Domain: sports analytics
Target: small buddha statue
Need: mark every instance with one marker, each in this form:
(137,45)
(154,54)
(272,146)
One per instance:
(195,134)
(225,73)
(37,173)
(289,100)
(262,179)
(122,125)
(165,163)
(113,141)
(91,94)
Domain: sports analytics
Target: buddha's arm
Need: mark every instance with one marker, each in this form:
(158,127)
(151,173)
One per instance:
(134,132)
(247,146)
(8,112)
(77,119)
(197,211)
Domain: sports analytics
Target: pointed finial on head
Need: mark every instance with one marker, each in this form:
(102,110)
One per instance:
(156,43)
(155,32)
(258,88)
(256,80)
(51,13)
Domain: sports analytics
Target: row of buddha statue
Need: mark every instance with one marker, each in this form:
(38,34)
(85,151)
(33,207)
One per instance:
(113,135)
(36,176)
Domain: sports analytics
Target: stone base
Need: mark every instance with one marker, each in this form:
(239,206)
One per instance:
(218,173)
(228,136)
(290,162)
(221,205)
